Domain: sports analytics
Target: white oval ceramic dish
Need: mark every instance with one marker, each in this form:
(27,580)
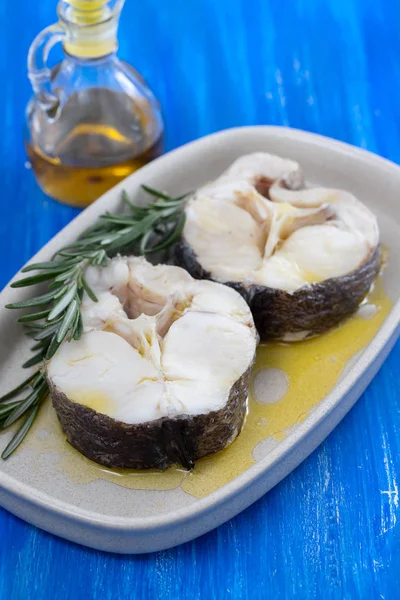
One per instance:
(108,517)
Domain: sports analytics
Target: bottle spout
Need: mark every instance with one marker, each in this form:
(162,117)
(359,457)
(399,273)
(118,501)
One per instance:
(91,26)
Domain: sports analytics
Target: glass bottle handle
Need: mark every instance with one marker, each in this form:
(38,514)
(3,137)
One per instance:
(38,71)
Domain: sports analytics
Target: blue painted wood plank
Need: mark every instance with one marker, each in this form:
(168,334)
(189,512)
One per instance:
(330,529)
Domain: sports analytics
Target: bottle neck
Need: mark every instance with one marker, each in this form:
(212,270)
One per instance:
(91,27)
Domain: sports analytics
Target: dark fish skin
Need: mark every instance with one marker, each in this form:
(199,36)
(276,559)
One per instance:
(155,444)
(312,309)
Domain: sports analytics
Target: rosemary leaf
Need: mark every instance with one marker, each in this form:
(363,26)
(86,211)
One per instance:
(35,360)
(68,320)
(155,193)
(37,301)
(32,327)
(34,279)
(37,346)
(34,316)
(66,275)
(89,290)
(118,219)
(56,286)
(19,388)
(21,433)
(78,328)
(139,210)
(7,407)
(38,381)
(143,242)
(168,212)
(68,255)
(74,326)
(162,205)
(40,266)
(100,258)
(53,347)
(65,299)
(23,406)
(46,332)
(173,237)
(60,291)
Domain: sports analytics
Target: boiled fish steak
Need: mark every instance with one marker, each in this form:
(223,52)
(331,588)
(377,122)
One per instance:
(160,375)
(302,257)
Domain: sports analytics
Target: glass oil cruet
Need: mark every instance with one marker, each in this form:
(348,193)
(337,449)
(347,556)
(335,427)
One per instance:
(92,120)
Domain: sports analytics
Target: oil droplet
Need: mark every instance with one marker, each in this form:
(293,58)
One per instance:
(43,434)
(367,311)
(270,385)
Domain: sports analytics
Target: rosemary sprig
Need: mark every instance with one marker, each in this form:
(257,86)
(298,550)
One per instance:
(55,314)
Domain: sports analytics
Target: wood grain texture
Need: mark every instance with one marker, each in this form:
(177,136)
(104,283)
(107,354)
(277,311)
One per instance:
(331,529)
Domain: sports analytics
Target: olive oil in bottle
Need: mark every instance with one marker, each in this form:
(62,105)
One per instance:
(92,120)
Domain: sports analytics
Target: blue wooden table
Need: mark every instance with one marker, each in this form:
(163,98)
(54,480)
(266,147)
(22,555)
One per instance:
(332,528)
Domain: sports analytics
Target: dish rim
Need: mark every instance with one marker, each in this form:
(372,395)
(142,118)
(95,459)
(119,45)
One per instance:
(201,506)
